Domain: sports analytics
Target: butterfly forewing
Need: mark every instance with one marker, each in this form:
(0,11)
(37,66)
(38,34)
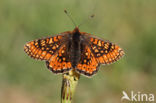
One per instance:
(105,51)
(43,49)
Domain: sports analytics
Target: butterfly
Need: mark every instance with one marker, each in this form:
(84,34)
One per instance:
(74,50)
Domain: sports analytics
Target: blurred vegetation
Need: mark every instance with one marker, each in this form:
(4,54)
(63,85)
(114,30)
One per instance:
(129,23)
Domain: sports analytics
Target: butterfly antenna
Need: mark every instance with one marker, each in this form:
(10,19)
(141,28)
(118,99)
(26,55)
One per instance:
(70,17)
(90,17)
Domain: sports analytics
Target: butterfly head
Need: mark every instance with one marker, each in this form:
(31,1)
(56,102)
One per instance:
(76,30)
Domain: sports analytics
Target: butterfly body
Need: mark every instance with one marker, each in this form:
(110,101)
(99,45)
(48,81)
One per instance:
(74,50)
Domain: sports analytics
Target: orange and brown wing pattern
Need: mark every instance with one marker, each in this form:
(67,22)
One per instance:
(43,49)
(60,62)
(88,65)
(104,51)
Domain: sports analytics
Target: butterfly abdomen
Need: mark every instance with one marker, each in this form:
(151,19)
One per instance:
(75,48)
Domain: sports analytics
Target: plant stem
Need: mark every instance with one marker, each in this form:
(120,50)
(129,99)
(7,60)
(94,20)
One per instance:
(69,82)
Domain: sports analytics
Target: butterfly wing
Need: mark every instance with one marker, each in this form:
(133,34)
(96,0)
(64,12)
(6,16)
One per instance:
(44,49)
(88,65)
(96,52)
(105,52)
(60,62)
(53,50)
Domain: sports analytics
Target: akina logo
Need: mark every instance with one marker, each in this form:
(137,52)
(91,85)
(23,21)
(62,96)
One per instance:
(137,96)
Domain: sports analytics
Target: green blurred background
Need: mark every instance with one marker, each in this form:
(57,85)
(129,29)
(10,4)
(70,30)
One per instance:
(129,23)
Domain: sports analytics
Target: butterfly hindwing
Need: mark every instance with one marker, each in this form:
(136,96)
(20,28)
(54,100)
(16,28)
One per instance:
(88,64)
(60,62)
(43,49)
(105,51)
